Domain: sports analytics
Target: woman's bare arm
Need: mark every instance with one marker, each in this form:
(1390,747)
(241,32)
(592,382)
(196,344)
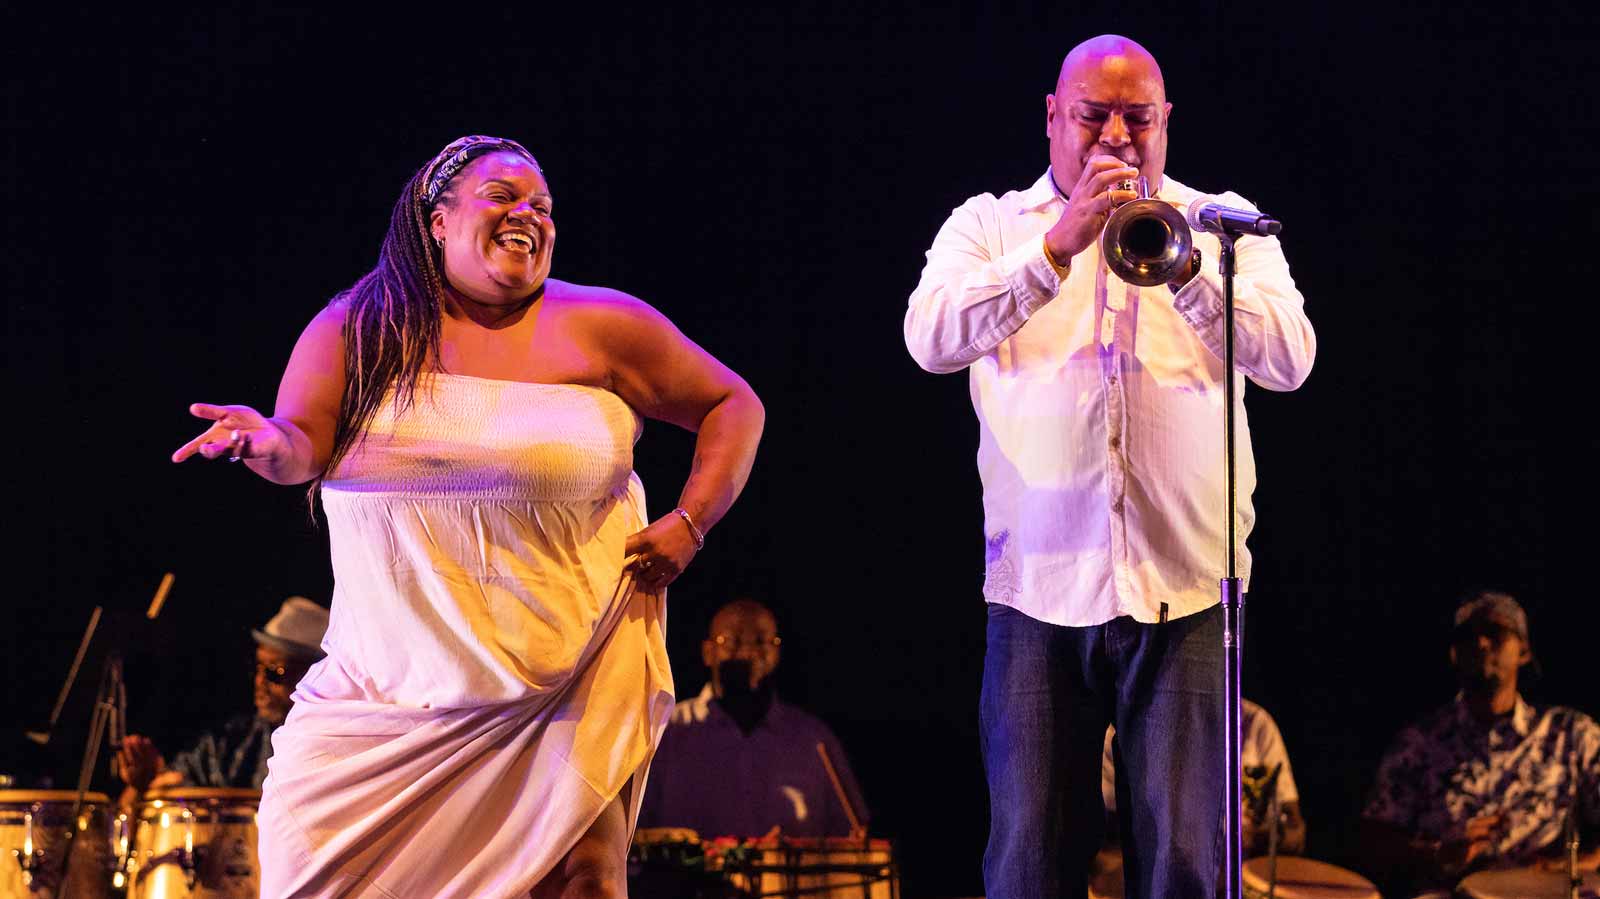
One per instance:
(292,446)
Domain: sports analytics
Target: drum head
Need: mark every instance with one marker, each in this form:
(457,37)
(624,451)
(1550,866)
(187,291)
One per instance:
(203,794)
(1524,883)
(1105,881)
(658,836)
(1304,878)
(29,797)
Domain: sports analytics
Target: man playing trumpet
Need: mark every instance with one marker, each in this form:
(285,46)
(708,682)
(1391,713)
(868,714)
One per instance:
(1100,451)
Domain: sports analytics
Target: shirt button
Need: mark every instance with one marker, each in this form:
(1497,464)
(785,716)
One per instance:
(1117,507)
(1111,381)
(1116,443)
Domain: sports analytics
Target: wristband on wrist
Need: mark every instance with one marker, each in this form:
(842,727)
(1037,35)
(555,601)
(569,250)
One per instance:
(1061,270)
(699,537)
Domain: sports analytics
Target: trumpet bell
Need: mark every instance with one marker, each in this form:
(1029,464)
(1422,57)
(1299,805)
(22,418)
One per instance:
(1146,241)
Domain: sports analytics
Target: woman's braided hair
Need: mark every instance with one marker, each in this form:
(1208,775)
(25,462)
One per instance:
(394,312)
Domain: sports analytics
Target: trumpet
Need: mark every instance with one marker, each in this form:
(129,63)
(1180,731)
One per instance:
(1146,241)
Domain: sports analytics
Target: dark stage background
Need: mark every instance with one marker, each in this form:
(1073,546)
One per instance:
(185,191)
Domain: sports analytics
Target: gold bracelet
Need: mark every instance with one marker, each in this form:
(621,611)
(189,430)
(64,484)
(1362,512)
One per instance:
(699,538)
(1061,270)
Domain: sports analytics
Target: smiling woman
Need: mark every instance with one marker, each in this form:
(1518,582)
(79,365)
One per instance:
(495,229)
(496,678)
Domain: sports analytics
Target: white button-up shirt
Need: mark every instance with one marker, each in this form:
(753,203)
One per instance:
(1100,406)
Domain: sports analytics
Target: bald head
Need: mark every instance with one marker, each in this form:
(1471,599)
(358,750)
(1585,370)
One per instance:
(1110,100)
(1109,51)
(741,614)
(742,630)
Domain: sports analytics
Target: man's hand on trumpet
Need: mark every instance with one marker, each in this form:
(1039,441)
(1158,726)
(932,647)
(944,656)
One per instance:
(1093,197)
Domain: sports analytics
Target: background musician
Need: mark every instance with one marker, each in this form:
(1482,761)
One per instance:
(1261,751)
(1488,780)
(737,760)
(235,754)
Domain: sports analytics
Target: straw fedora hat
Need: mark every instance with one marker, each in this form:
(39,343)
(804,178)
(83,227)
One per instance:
(297,629)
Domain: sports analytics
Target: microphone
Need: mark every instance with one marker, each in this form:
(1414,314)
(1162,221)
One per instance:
(1206,214)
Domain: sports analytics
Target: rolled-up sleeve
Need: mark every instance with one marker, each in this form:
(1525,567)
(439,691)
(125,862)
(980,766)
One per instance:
(1274,344)
(970,297)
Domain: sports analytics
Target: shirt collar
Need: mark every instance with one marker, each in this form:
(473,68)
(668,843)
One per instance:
(1521,714)
(713,711)
(1042,193)
(1522,717)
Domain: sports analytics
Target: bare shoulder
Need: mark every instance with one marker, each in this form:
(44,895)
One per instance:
(603,314)
(328,323)
(321,343)
(601,304)
(314,378)
(326,328)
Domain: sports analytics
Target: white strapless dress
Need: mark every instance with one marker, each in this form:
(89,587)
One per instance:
(493,680)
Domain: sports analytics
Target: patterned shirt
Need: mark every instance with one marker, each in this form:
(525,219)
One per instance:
(1530,767)
(234,757)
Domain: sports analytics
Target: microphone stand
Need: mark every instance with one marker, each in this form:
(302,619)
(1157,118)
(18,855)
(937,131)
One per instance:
(1232,604)
(42,736)
(34,865)
(108,721)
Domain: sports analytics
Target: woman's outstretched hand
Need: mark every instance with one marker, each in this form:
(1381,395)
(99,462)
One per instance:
(236,432)
(660,552)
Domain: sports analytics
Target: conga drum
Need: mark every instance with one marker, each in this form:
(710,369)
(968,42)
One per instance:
(678,846)
(195,842)
(1525,883)
(1105,875)
(831,867)
(671,863)
(34,828)
(1304,878)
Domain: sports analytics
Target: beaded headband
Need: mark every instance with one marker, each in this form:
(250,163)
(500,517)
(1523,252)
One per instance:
(457,154)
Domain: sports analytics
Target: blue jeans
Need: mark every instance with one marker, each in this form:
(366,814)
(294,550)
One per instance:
(1048,694)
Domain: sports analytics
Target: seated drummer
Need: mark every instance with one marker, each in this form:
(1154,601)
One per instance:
(1488,780)
(737,760)
(236,754)
(1261,752)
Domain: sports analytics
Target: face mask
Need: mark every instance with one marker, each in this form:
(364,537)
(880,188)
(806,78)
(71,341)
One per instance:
(747,707)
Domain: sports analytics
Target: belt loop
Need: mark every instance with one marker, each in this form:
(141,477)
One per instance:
(1163,614)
